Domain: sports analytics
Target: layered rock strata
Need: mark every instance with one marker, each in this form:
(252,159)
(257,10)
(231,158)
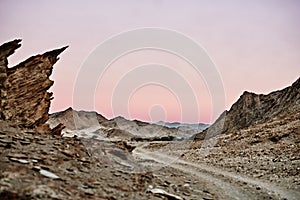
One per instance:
(24,100)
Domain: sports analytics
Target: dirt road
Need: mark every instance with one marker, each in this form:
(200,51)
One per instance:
(226,184)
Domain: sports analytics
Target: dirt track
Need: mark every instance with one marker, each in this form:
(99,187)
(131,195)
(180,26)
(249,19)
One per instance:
(227,185)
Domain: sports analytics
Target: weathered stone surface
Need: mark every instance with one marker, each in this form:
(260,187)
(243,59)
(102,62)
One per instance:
(24,99)
(5,50)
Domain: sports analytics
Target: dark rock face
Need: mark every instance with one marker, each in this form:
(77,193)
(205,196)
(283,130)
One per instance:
(251,109)
(24,98)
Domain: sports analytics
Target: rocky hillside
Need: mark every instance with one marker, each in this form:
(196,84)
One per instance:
(24,98)
(258,108)
(251,109)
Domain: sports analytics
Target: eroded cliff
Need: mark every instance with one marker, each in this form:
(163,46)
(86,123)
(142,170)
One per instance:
(25,101)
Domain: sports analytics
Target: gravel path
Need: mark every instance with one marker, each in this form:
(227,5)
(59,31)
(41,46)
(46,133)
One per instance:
(230,185)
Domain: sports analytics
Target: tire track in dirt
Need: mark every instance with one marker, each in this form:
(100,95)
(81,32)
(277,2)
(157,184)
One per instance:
(232,184)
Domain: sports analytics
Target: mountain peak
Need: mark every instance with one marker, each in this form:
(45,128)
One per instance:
(256,108)
(253,108)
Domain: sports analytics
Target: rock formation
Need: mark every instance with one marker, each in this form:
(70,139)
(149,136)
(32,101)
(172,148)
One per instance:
(24,100)
(251,109)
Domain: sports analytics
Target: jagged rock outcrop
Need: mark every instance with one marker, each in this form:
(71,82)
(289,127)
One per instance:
(258,108)
(253,109)
(24,100)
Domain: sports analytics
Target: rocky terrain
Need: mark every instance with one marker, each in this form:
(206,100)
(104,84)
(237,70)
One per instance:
(260,138)
(250,152)
(267,151)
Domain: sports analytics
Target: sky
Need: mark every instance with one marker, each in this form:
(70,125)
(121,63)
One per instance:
(253,45)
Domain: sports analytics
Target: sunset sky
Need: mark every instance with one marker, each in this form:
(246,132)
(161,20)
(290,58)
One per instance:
(254,45)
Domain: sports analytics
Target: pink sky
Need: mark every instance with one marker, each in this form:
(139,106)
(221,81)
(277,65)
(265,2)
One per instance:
(255,46)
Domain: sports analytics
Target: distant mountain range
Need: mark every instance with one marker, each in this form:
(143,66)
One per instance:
(91,124)
(199,126)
